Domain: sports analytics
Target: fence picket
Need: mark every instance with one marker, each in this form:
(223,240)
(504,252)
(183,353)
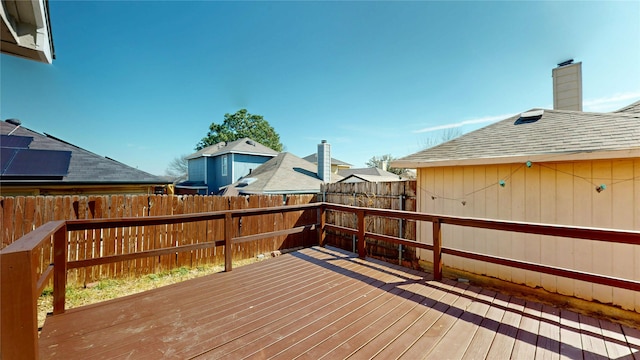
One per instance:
(20,215)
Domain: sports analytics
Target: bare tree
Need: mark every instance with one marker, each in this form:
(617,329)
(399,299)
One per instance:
(382,162)
(446,135)
(178,168)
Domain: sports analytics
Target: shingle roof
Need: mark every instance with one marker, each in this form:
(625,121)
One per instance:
(285,173)
(371,171)
(240,146)
(554,136)
(631,109)
(373,178)
(314,159)
(84,166)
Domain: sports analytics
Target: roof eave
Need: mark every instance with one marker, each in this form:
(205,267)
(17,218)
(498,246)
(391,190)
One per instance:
(547,157)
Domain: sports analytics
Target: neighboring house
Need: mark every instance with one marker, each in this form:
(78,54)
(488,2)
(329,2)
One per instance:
(26,30)
(368,175)
(336,165)
(542,166)
(287,174)
(35,164)
(222,164)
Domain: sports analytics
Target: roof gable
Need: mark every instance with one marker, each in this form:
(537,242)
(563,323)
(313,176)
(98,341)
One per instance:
(240,146)
(285,173)
(313,158)
(370,171)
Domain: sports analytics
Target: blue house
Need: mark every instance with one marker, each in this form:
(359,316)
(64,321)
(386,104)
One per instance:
(222,164)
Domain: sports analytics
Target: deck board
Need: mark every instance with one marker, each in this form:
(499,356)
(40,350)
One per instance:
(326,303)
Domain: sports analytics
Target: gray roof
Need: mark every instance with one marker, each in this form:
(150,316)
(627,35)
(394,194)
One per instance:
(84,167)
(631,109)
(372,178)
(240,146)
(284,174)
(557,135)
(370,171)
(314,159)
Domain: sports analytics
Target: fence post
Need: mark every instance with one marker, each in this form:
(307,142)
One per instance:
(437,250)
(322,218)
(18,313)
(400,229)
(228,246)
(59,269)
(361,248)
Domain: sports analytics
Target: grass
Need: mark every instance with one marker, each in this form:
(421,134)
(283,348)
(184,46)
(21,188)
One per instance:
(107,289)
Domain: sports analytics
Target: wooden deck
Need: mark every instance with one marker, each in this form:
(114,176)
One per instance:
(325,303)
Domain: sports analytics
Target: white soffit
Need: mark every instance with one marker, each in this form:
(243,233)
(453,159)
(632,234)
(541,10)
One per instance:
(26,30)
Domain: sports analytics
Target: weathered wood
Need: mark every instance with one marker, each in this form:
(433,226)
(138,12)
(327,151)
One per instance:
(19,320)
(362,252)
(381,309)
(60,269)
(437,251)
(142,254)
(228,246)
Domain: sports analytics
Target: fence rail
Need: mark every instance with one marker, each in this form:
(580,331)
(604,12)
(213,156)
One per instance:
(21,215)
(22,282)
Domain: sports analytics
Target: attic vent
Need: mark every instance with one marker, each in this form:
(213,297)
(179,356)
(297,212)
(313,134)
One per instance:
(529,117)
(15,122)
(250,142)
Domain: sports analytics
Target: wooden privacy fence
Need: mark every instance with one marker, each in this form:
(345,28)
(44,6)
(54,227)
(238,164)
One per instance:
(21,215)
(22,282)
(397,195)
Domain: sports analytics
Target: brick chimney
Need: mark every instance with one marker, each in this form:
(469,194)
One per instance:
(567,86)
(324,161)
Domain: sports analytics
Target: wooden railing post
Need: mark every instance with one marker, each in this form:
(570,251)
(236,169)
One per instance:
(322,219)
(437,250)
(228,246)
(18,306)
(361,230)
(59,269)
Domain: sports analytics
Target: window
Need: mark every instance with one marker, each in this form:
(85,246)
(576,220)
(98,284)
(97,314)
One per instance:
(224,165)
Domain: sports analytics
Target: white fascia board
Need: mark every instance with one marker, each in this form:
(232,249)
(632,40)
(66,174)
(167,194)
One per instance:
(35,37)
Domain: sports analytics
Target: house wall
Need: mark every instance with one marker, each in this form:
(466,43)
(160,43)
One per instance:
(216,179)
(242,163)
(556,193)
(196,169)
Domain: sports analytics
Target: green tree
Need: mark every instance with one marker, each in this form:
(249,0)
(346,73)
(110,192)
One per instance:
(239,125)
(382,162)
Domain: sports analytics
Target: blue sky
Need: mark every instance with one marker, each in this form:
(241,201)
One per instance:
(140,82)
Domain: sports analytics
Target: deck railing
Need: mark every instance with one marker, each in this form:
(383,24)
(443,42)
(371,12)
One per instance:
(22,284)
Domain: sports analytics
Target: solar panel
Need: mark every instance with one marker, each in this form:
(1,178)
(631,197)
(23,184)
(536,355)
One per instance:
(6,155)
(28,162)
(21,142)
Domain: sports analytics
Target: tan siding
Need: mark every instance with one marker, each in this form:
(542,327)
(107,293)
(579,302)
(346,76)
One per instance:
(601,217)
(623,260)
(561,193)
(504,212)
(479,208)
(532,214)
(518,188)
(491,203)
(564,203)
(548,214)
(582,207)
